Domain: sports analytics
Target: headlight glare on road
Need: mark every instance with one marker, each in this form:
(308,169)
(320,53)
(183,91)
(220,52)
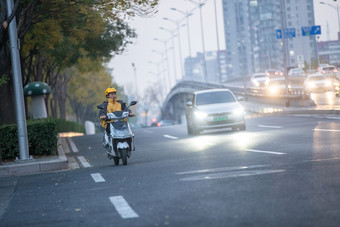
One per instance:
(328,83)
(200,115)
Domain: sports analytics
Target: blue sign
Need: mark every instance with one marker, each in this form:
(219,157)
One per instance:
(289,33)
(311,30)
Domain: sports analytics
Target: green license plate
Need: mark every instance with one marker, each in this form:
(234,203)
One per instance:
(221,118)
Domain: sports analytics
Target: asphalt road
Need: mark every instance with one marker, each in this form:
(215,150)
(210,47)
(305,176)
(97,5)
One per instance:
(281,171)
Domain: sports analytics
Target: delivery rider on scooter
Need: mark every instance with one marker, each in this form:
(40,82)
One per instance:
(111,105)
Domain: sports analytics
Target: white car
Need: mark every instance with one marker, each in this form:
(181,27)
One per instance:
(277,86)
(329,71)
(213,109)
(317,83)
(296,72)
(259,80)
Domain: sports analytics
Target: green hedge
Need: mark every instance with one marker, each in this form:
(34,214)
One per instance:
(69,126)
(41,133)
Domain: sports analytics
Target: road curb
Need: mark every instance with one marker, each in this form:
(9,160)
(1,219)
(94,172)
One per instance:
(34,166)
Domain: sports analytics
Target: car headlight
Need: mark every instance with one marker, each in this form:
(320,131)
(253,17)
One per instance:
(328,83)
(200,115)
(273,89)
(238,111)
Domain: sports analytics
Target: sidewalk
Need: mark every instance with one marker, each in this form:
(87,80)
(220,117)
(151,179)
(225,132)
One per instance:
(39,165)
(60,162)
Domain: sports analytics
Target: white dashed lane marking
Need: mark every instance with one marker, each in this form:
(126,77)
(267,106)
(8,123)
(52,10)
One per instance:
(171,137)
(326,130)
(122,207)
(73,146)
(269,126)
(97,177)
(83,162)
(266,152)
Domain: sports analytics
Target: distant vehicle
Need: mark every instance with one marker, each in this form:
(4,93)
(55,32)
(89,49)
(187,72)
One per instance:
(296,72)
(322,65)
(329,71)
(165,123)
(213,109)
(337,86)
(273,73)
(317,83)
(259,80)
(277,86)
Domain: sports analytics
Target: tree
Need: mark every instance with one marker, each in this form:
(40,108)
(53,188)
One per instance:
(56,34)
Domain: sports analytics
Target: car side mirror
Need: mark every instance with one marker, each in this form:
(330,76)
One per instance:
(240,98)
(189,103)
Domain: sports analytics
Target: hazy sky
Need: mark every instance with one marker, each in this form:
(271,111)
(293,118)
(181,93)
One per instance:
(142,52)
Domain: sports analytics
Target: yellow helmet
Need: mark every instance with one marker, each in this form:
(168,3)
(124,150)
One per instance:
(109,90)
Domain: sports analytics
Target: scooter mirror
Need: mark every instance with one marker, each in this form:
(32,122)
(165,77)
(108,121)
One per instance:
(100,107)
(133,103)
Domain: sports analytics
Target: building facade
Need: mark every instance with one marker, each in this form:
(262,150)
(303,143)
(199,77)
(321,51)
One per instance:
(252,45)
(329,52)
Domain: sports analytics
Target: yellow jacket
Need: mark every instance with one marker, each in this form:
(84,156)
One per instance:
(112,106)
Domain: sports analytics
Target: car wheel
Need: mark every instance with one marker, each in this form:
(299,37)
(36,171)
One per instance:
(242,127)
(189,128)
(195,130)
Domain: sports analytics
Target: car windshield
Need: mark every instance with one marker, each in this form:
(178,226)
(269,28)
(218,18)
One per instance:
(259,76)
(277,82)
(317,78)
(328,68)
(214,97)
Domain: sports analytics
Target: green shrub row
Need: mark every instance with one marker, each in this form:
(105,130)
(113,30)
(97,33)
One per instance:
(42,137)
(69,126)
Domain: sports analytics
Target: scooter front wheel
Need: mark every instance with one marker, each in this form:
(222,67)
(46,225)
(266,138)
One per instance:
(123,155)
(116,160)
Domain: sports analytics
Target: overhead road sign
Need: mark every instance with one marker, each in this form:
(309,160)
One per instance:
(289,33)
(311,30)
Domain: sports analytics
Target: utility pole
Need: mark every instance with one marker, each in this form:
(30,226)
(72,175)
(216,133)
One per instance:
(284,47)
(18,88)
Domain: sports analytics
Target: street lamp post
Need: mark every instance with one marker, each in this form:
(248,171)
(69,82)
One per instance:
(200,5)
(187,15)
(135,75)
(218,47)
(337,10)
(17,82)
(174,53)
(167,58)
(179,42)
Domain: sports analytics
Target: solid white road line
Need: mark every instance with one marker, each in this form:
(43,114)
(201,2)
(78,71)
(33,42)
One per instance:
(222,169)
(269,126)
(83,162)
(326,130)
(97,177)
(266,152)
(122,207)
(171,137)
(73,146)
